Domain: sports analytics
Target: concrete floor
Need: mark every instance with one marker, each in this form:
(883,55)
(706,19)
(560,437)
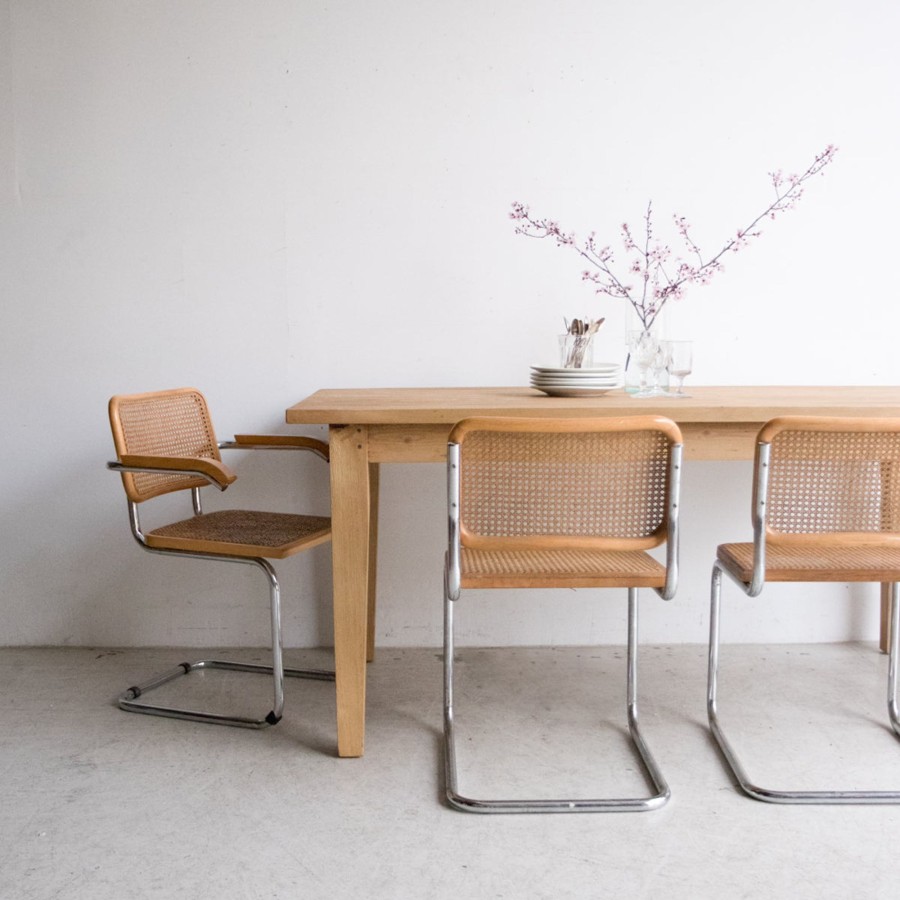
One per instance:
(98,803)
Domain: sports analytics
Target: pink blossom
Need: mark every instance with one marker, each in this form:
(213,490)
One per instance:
(657,282)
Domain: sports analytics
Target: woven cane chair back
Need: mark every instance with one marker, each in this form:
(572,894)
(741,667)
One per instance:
(545,484)
(163,423)
(833,480)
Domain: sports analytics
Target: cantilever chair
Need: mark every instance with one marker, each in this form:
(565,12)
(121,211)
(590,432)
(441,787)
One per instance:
(561,503)
(826,508)
(165,442)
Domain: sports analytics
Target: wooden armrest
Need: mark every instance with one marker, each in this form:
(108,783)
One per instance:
(212,470)
(276,442)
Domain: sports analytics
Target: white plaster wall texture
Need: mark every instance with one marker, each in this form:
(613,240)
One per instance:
(266,199)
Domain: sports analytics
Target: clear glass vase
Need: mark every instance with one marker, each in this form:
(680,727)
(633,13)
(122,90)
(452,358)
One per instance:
(645,363)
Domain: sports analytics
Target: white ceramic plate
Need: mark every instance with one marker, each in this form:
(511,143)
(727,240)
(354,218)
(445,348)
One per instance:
(576,391)
(601,369)
(582,382)
(614,378)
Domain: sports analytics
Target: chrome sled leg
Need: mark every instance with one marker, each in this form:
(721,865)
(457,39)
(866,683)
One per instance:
(129,699)
(624,804)
(786,796)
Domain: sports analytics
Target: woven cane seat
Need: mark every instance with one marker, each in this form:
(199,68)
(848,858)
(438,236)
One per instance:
(559,568)
(238,532)
(815,563)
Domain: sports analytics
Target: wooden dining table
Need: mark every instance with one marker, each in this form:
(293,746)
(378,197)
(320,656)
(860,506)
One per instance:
(370,426)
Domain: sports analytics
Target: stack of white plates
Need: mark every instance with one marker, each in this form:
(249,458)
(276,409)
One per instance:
(559,382)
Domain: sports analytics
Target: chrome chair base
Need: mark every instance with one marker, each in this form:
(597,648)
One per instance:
(624,804)
(128,700)
(769,795)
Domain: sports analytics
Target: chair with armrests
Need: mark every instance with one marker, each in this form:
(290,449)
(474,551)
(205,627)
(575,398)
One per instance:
(165,442)
(561,503)
(826,508)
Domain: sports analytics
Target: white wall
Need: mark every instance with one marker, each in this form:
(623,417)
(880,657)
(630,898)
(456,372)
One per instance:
(262,199)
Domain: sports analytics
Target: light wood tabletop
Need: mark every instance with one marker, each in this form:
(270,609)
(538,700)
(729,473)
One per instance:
(369,426)
(420,405)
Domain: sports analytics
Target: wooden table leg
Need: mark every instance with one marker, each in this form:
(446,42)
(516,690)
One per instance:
(373,558)
(350,498)
(885,641)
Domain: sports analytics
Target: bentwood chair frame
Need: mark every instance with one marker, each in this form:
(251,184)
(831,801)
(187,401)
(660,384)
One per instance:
(542,502)
(165,442)
(826,508)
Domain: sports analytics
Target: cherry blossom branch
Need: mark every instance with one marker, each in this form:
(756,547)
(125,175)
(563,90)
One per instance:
(648,262)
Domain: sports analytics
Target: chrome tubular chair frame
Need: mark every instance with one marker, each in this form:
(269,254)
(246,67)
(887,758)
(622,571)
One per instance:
(452,591)
(129,699)
(740,773)
(636,804)
(752,588)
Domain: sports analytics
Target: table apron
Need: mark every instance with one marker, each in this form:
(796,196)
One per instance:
(428,443)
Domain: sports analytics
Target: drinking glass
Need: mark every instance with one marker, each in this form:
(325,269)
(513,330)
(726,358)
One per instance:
(576,351)
(679,356)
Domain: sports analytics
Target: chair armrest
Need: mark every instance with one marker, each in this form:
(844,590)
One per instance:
(276,442)
(212,470)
